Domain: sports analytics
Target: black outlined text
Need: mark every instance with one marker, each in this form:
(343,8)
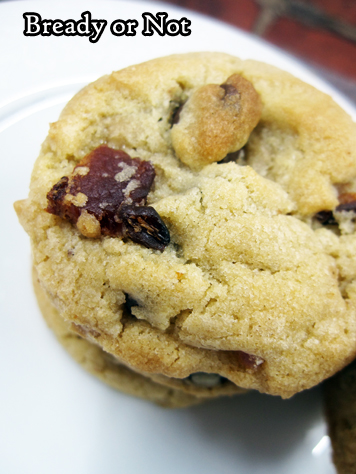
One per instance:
(124,27)
(162,26)
(35,26)
(93,29)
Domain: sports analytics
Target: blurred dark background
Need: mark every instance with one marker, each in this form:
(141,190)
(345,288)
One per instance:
(322,33)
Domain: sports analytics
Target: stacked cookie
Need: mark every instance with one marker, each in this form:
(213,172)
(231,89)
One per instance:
(192,226)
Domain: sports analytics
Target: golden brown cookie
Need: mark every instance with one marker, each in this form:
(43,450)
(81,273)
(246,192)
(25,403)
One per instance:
(103,365)
(239,263)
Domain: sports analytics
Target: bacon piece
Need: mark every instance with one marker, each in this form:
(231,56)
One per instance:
(103,181)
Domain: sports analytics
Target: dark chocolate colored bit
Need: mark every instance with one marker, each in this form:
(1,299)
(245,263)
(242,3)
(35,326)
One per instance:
(130,303)
(233,157)
(143,225)
(347,204)
(229,89)
(325,218)
(176,114)
(107,178)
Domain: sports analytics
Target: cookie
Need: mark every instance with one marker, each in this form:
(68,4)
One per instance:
(340,403)
(93,359)
(165,391)
(186,215)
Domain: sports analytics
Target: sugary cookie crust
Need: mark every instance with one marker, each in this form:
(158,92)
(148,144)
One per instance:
(165,391)
(245,271)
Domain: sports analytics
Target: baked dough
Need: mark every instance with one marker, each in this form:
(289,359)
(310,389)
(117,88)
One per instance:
(252,287)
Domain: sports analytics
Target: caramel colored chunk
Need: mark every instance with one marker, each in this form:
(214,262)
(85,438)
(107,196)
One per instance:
(215,121)
(347,202)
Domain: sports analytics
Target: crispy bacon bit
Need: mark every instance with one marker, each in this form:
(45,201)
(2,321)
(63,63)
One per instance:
(346,198)
(103,181)
(347,202)
(56,197)
(250,361)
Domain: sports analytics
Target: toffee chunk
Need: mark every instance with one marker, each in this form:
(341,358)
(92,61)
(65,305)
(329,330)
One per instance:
(215,121)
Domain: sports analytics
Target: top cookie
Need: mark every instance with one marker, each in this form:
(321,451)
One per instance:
(248,283)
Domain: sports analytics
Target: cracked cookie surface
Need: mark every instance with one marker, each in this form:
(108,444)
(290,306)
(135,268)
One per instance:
(101,364)
(250,286)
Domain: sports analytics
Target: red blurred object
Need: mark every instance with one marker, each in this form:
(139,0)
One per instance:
(320,32)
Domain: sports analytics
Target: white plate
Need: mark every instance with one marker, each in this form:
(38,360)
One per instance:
(55,418)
